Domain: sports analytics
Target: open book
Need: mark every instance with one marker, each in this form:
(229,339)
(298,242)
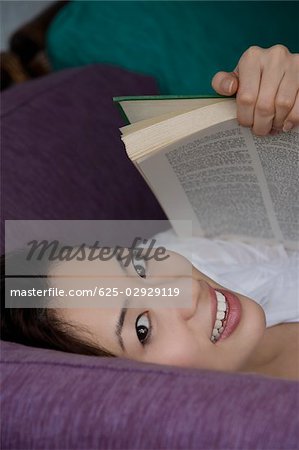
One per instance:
(203,166)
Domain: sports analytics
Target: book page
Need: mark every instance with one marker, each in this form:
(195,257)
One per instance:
(151,138)
(279,159)
(215,179)
(148,108)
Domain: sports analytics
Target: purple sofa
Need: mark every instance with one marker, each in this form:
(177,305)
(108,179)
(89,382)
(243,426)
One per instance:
(62,158)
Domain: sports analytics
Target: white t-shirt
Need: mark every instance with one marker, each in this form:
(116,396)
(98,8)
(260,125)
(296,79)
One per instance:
(267,274)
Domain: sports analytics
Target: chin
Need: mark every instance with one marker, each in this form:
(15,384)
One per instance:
(251,331)
(254,318)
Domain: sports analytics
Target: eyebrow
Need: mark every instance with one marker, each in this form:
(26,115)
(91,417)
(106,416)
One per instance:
(120,323)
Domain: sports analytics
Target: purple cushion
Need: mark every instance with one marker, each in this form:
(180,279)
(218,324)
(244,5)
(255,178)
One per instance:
(61,148)
(56,400)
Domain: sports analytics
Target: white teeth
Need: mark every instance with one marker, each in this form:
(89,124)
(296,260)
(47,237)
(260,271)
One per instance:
(221,306)
(220,297)
(220,315)
(218,324)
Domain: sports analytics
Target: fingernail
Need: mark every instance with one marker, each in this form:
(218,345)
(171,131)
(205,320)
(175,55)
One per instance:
(287,126)
(227,85)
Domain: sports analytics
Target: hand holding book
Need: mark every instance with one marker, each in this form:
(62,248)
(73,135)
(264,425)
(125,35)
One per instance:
(266,84)
(204,166)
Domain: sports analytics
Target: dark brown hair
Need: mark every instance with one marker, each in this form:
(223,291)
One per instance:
(41,327)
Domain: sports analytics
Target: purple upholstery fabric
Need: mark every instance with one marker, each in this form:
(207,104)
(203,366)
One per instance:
(53,400)
(62,157)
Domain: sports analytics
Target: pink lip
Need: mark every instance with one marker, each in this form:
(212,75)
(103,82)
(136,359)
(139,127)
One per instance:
(234,314)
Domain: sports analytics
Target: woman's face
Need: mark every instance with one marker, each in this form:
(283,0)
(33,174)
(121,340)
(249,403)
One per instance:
(144,329)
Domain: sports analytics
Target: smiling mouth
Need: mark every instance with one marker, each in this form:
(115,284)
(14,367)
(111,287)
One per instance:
(228,314)
(221,316)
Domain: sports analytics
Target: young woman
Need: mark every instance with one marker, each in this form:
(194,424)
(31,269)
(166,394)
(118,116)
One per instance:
(217,329)
(166,311)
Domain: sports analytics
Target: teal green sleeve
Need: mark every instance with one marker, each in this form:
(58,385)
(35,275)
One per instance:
(180,43)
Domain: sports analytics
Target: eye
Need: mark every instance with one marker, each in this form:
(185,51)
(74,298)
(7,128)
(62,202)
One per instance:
(138,262)
(143,328)
(140,266)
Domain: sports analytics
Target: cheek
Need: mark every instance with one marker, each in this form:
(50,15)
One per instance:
(182,352)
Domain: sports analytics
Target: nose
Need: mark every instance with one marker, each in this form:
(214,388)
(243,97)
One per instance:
(190,296)
(183,305)
(166,292)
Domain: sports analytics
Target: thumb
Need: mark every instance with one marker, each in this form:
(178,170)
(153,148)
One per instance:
(225,83)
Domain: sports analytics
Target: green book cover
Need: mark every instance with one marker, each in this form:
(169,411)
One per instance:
(119,100)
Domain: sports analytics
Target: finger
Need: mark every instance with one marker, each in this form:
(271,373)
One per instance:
(249,83)
(292,120)
(285,99)
(264,111)
(225,83)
